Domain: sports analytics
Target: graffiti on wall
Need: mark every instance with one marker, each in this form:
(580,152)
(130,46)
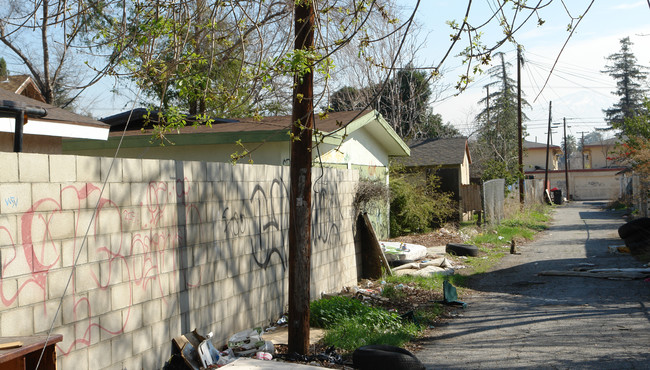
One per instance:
(137,244)
(37,247)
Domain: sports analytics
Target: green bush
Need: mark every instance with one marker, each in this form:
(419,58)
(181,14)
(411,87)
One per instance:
(418,205)
(351,324)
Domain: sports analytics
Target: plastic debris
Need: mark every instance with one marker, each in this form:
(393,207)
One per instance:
(451,295)
(264,356)
(248,342)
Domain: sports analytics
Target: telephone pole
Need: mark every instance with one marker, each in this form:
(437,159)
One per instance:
(582,148)
(520,128)
(300,192)
(548,139)
(566,163)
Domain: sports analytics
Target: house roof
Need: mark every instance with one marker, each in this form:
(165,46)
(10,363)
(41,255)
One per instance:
(534,145)
(331,129)
(58,122)
(437,152)
(22,85)
(607,142)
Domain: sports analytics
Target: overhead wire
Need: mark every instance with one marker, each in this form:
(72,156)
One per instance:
(90,222)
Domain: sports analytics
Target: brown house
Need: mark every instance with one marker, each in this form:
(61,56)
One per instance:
(43,135)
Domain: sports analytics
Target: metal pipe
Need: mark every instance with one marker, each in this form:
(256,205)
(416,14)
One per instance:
(20,112)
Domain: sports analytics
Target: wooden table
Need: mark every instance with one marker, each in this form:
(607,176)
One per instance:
(26,356)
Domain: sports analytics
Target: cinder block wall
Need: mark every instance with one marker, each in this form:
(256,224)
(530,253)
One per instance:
(163,248)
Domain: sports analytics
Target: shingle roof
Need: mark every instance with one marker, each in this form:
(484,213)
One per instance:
(53,113)
(436,152)
(332,122)
(534,145)
(23,85)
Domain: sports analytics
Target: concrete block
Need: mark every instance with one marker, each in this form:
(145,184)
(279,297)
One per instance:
(14,262)
(155,357)
(9,171)
(74,196)
(110,272)
(63,168)
(44,315)
(151,312)
(150,170)
(99,355)
(15,198)
(119,194)
(144,194)
(76,359)
(16,322)
(111,323)
(141,292)
(111,169)
(160,286)
(8,225)
(134,362)
(45,227)
(34,167)
(238,173)
(197,171)
(57,280)
(121,295)
(109,219)
(86,334)
(160,333)
(199,297)
(142,340)
(100,301)
(31,292)
(122,347)
(10,293)
(168,170)
(86,277)
(88,169)
(132,170)
(77,307)
(132,317)
(46,196)
(131,219)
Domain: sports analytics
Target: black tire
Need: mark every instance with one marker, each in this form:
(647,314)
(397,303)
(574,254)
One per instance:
(462,249)
(633,227)
(397,263)
(385,357)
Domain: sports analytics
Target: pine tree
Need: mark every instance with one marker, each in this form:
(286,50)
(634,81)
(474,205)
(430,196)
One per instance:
(629,77)
(3,68)
(497,131)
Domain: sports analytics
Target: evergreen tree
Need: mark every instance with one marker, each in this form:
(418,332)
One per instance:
(497,131)
(403,102)
(3,69)
(629,77)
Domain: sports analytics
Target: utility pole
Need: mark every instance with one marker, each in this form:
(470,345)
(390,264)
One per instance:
(548,139)
(300,192)
(566,163)
(582,148)
(520,128)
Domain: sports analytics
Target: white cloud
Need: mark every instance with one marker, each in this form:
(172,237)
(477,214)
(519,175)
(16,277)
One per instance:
(626,6)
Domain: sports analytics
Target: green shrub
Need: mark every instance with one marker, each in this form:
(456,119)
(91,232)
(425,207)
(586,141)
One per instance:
(417,205)
(351,324)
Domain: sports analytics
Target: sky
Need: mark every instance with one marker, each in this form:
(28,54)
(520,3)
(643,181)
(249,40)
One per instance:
(577,89)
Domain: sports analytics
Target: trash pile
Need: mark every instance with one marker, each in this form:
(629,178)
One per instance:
(192,351)
(416,260)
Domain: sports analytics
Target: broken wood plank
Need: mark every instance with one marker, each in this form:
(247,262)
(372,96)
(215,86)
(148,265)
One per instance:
(9,345)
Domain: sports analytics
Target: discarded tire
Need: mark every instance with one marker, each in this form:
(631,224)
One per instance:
(633,227)
(397,263)
(382,356)
(462,249)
